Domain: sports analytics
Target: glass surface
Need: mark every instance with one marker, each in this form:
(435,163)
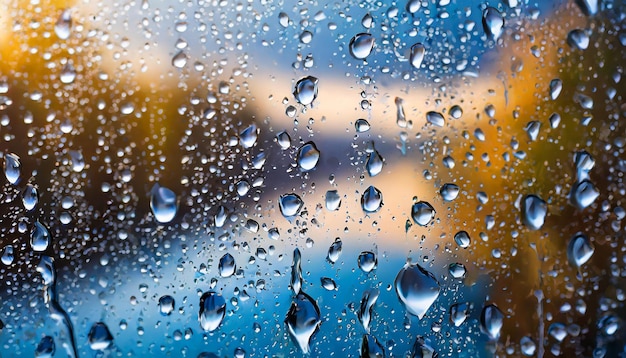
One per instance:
(279,179)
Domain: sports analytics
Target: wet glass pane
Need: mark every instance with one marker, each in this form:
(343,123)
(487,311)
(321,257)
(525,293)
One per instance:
(323,178)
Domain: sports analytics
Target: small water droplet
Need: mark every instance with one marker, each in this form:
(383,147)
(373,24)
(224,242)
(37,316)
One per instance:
(361,45)
(579,250)
(367,261)
(226,266)
(290,204)
(12,168)
(303,320)
(99,337)
(248,136)
(372,199)
(367,21)
(534,211)
(45,348)
(361,125)
(422,213)
(449,191)
(39,237)
(163,203)
(417,55)
(78,160)
(491,321)
(374,164)
(305,91)
(63,26)
(166,305)
(556,86)
(417,289)
(371,347)
(435,118)
(334,251)
(30,197)
(493,23)
(578,39)
(212,311)
(366,308)
(459,313)
(328,283)
(462,239)
(308,156)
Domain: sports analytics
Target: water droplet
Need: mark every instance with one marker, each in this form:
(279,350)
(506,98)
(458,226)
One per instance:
(413,6)
(557,331)
(462,239)
(367,306)
(579,250)
(417,55)
(163,203)
(39,237)
(532,129)
(534,211)
(578,39)
(303,320)
(422,213)
(127,108)
(45,348)
(449,191)
(179,60)
(290,204)
(68,74)
(99,337)
(584,162)
(459,313)
(284,140)
(296,272)
(305,91)
(371,348)
(361,125)
(493,23)
(283,19)
(400,116)
(334,251)
(435,118)
(226,266)
(423,350)
(12,168)
(166,305)
(30,197)
(308,156)
(584,194)
(457,270)
(491,321)
(328,283)
(212,311)
(63,26)
(588,7)
(220,217)
(367,21)
(242,187)
(456,111)
(248,136)
(554,119)
(371,200)
(417,289)
(367,261)
(333,200)
(556,86)
(361,45)
(78,161)
(7,255)
(374,164)
(527,346)
(609,324)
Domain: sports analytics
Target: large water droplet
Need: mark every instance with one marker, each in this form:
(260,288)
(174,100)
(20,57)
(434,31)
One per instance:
(459,313)
(248,136)
(557,331)
(39,237)
(283,19)
(226,266)
(7,255)
(333,200)
(166,305)
(493,23)
(63,26)
(163,203)
(532,129)
(371,347)
(366,308)
(435,118)
(284,140)
(417,289)
(99,337)
(413,6)
(308,156)
(462,239)
(584,194)
(372,199)
(30,197)
(12,168)
(579,250)
(367,261)
(374,164)
(449,191)
(303,320)
(296,272)
(305,91)
(290,204)
(578,39)
(45,348)
(491,321)
(334,251)
(588,7)
(534,211)
(417,55)
(68,74)
(421,349)
(361,125)
(361,45)
(179,60)
(556,86)
(422,213)
(212,311)
(527,346)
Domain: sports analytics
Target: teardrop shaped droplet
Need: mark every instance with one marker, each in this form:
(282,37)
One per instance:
(290,204)
(374,164)
(491,321)
(308,156)
(371,347)
(166,305)
(366,308)
(417,289)
(303,320)
(163,203)
(179,60)
(579,250)
(248,136)
(99,337)
(284,140)
(534,211)
(361,125)
(493,23)
(371,200)
(226,266)
(578,39)
(305,91)
(367,261)
(334,251)
(422,213)
(556,86)
(449,191)
(30,197)
(361,45)
(459,313)
(63,26)
(39,237)
(45,348)
(296,272)
(532,129)
(417,55)
(328,283)
(12,168)
(435,118)
(7,255)
(212,311)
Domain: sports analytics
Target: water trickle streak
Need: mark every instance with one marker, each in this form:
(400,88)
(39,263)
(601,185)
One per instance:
(296,272)
(303,320)
(367,307)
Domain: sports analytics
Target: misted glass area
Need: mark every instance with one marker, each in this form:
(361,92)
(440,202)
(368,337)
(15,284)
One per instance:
(257,178)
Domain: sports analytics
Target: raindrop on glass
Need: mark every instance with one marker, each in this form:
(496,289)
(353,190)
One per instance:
(308,156)
(491,321)
(413,6)
(459,313)
(296,272)
(422,213)
(305,91)
(578,39)
(179,60)
(374,164)
(226,266)
(334,251)
(371,347)
(166,305)
(367,261)
(584,194)
(366,307)
(39,237)
(417,55)
(457,270)
(361,125)
(303,320)
(462,239)
(449,191)
(435,118)
(290,204)
(30,197)
(421,349)
(248,136)
(163,203)
(493,23)
(371,200)
(212,311)
(12,168)
(63,26)
(328,283)
(527,346)
(579,250)
(417,289)
(284,140)
(45,348)
(534,211)
(361,45)
(588,7)
(556,86)
(7,255)
(99,337)
(333,200)
(68,74)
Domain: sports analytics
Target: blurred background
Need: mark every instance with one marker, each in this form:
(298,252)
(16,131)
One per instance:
(469,156)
